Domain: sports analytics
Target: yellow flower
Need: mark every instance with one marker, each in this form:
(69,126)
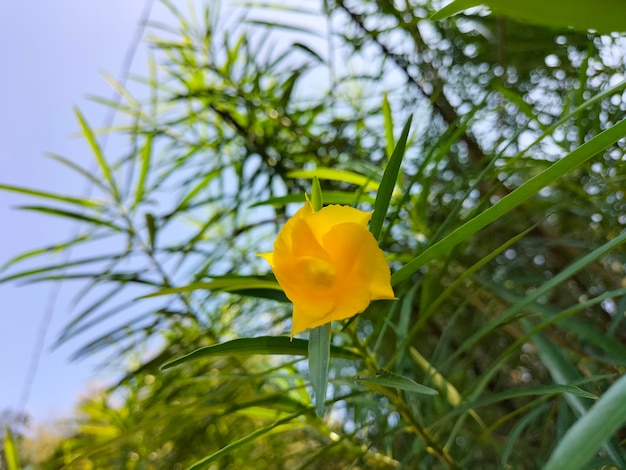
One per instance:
(329,265)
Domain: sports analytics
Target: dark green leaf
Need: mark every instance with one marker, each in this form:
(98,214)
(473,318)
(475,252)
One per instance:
(280,345)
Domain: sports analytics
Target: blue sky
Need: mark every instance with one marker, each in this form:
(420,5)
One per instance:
(53,55)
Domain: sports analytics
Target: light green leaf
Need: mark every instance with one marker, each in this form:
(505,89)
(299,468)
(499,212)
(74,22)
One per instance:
(243,441)
(330,197)
(317,200)
(604,16)
(592,430)
(583,153)
(319,358)
(97,151)
(265,345)
(46,195)
(562,371)
(336,175)
(388,183)
(146,155)
(388,122)
(10,452)
(389,379)
(72,215)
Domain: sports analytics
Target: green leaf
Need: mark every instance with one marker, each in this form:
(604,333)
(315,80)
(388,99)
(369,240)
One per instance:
(265,345)
(389,379)
(583,153)
(243,441)
(317,201)
(388,183)
(146,154)
(336,175)
(97,182)
(46,195)
(552,389)
(592,430)
(226,284)
(330,197)
(562,372)
(604,16)
(528,300)
(71,215)
(97,151)
(10,452)
(58,267)
(388,122)
(319,358)
(56,248)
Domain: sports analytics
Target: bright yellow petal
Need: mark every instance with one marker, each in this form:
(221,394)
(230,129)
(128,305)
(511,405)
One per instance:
(359,260)
(301,320)
(285,236)
(323,221)
(329,265)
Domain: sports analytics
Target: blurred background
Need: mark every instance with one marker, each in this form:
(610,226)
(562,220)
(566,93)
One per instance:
(53,55)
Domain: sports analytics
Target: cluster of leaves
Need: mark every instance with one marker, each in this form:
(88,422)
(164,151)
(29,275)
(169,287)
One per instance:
(503,216)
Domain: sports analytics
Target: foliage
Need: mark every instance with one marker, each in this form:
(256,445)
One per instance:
(501,210)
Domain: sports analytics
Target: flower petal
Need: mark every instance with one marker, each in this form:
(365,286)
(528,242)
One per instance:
(323,221)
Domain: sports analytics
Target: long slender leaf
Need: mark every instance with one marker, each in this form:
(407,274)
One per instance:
(72,215)
(47,195)
(336,175)
(388,182)
(222,285)
(10,452)
(319,359)
(146,156)
(592,430)
(563,372)
(250,438)
(603,15)
(514,199)
(389,379)
(280,345)
(97,151)
(388,123)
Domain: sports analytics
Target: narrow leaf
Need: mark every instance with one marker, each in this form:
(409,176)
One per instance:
(583,153)
(71,215)
(46,195)
(97,151)
(562,371)
(243,442)
(10,452)
(604,16)
(222,285)
(388,122)
(146,154)
(336,175)
(389,379)
(317,200)
(265,345)
(592,430)
(319,358)
(388,183)
(330,197)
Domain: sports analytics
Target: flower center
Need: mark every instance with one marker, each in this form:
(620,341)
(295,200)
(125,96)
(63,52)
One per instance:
(320,273)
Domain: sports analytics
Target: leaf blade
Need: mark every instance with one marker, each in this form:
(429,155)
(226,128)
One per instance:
(266,345)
